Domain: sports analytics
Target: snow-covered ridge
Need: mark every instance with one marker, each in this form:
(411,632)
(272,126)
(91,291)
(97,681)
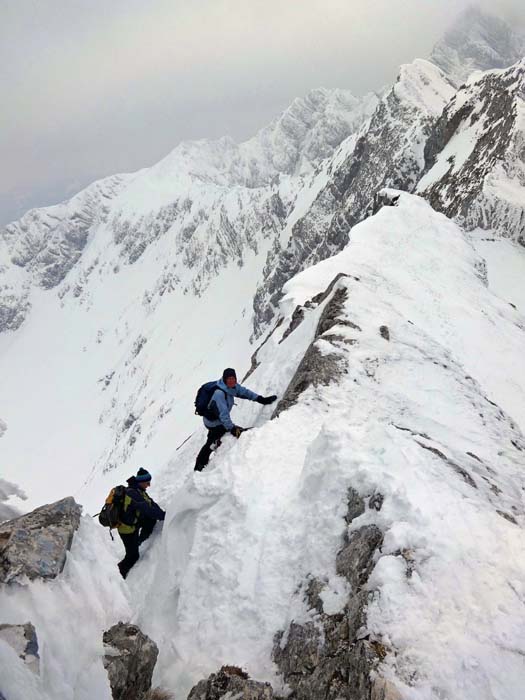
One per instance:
(475,154)
(416,406)
(387,152)
(214,198)
(423,413)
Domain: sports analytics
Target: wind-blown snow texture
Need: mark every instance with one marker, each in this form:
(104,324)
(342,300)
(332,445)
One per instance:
(118,304)
(430,418)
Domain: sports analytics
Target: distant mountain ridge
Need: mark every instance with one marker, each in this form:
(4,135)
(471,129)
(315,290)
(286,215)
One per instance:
(143,266)
(478,42)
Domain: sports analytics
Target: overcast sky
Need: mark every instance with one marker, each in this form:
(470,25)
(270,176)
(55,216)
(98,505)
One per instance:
(94,87)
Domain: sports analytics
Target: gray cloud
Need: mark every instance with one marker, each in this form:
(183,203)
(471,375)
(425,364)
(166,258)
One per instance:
(93,88)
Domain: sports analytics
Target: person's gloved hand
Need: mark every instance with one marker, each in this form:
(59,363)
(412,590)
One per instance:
(236,431)
(266,399)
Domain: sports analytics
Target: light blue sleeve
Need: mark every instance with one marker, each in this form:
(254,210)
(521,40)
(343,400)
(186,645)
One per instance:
(222,407)
(244,393)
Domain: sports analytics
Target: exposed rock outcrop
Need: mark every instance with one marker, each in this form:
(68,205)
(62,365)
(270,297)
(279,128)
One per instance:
(231,682)
(319,366)
(23,639)
(130,657)
(332,657)
(35,545)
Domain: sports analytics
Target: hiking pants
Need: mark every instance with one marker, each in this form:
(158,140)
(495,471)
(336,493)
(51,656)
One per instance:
(132,542)
(214,435)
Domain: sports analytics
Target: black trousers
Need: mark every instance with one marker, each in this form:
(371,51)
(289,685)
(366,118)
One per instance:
(214,435)
(132,542)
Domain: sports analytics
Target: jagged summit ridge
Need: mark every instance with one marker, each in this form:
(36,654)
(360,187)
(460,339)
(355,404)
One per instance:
(477,41)
(475,154)
(387,152)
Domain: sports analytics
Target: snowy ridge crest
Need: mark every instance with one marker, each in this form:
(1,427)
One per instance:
(387,152)
(407,402)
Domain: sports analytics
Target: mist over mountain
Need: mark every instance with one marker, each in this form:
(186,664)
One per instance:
(360,257)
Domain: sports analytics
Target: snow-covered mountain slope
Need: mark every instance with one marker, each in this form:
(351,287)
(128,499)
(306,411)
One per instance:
(476,152)
(44,245)
(477,41)
(388,151)
(388,386)
(401,396)
(211,196)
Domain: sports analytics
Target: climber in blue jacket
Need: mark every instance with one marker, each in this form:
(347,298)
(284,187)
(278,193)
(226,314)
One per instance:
(220,405)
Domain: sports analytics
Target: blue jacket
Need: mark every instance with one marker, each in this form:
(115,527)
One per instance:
(224,402)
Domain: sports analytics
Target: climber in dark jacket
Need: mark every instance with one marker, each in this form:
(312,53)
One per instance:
(138,517)
(221,403)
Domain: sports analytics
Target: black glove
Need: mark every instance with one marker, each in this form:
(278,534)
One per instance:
(266,399)
(236,431)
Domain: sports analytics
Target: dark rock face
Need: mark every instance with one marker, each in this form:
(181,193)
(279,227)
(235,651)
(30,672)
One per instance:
(23,639)
(318,368)
(355,560)
(231,682)
(467,189)
(129,661)
(35,545)
(331,656)
(13,310)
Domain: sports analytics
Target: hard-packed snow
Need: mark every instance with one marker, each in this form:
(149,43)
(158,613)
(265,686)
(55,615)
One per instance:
(430,419)
(141,288)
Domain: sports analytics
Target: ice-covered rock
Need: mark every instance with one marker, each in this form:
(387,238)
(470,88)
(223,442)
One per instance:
(329,657)
(35,545)
(23,639)
(130,657)
(231,682)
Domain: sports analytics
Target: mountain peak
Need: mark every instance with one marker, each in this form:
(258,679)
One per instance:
(477,41)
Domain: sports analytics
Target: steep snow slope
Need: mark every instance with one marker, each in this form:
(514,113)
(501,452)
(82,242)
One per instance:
(477,41)
(475,155)
(165,268)
(429,418)
(44,245)
(405,398)
(212,197)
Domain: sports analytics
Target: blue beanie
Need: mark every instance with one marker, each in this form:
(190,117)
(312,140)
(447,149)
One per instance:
(143,475)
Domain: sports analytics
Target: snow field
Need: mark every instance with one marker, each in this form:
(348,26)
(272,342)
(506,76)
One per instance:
(411,420)
(429,419)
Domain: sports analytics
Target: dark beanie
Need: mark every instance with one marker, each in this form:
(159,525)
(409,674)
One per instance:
(143,475)
(228,372)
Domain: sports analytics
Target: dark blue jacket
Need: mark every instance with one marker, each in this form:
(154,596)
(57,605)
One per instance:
(222,402)
(138,506)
